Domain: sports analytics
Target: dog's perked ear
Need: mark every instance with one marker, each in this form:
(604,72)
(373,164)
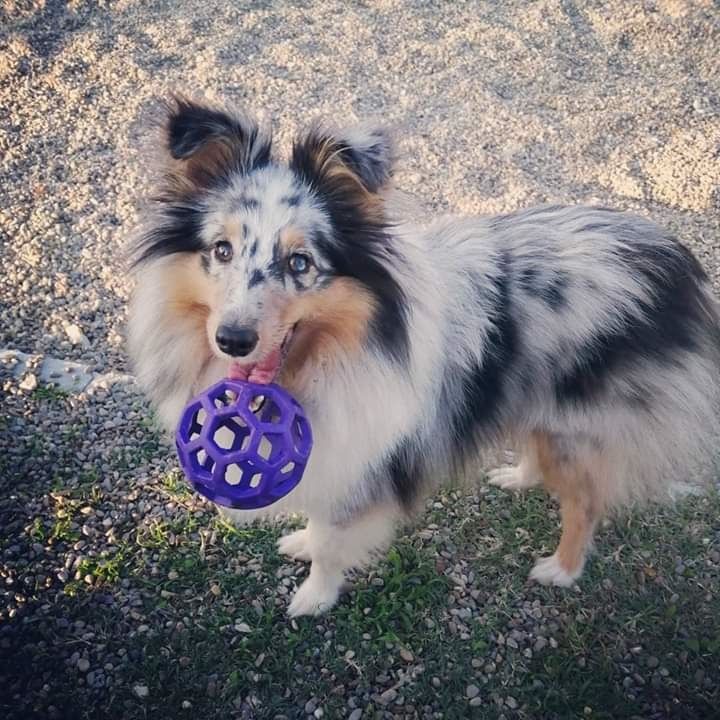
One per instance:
(371,153)
(211,144)
(363,154)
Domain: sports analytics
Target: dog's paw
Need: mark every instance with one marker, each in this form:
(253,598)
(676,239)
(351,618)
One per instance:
(511,478)
(315,596)
(549,571)
(295,545)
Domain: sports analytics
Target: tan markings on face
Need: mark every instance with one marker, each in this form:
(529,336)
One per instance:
(232,229)
(291,239)
(332,321)
(189,291)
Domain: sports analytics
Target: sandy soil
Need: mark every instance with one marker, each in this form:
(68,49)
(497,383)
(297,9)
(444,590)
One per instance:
(497,104)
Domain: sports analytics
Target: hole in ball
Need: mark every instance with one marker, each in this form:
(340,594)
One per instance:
(232,434)
(203,460)
(233,474)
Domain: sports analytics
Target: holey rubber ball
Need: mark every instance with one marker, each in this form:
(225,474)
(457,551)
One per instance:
(244,445)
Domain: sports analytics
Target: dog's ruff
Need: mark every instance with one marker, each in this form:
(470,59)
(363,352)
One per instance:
(589,337)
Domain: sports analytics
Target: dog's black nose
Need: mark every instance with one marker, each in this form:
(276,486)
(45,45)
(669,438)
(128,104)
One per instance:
(236,341)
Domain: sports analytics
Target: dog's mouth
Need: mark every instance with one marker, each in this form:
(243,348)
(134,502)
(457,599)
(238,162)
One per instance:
(265,370)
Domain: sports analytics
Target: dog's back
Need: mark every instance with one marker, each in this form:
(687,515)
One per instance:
(584,321)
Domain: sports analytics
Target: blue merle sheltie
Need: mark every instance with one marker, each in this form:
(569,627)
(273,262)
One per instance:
(587,339)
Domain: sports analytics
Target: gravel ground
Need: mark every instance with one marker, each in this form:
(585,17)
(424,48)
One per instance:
(123,596)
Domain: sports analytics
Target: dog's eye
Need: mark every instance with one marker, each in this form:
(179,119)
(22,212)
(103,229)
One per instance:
(299,263)
(223,251)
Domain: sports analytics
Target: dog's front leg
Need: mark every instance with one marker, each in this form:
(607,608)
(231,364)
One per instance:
(335,548)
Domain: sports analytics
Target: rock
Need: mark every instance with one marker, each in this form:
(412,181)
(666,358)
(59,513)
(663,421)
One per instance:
(472,691)
(388,696)
(76,335)
(141,691)
(83,665)
(356,714)
(29,382)
(406,655)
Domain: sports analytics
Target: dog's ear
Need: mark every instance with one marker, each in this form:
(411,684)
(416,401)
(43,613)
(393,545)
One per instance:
(370,152)
(208,144)
(365,154)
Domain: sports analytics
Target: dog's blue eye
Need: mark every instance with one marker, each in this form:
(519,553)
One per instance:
(299,263)
(223,251)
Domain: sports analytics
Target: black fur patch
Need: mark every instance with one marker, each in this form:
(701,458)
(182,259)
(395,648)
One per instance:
(257,277)
(405,474)
(253,248)
(360,246)
(276,270)
(482,386)
(554,292)
(179,232)
(291,200)
(674,320)
(246,203)
(551,289)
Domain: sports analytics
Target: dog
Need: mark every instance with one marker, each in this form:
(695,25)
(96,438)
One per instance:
(586,337)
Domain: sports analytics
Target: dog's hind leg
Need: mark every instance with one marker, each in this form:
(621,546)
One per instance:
(336,548)
(571,470)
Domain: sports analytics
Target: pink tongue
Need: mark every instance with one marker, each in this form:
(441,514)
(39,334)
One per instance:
(262,373)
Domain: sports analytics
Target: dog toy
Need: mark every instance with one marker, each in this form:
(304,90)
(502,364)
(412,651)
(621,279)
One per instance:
(243,445)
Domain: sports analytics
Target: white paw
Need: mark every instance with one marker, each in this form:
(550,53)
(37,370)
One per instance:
(295,545)
(511,478)
(548,571)
(315,596)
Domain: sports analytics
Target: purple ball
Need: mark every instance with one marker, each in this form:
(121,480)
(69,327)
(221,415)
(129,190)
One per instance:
(243,445)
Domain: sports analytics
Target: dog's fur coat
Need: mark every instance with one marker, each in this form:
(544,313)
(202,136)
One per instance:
(587,337)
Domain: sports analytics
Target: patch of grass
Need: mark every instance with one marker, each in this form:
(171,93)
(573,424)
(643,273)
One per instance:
(51,393)
(175,484)
(62,530)
(104,571)
(37,530)
(214,598)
